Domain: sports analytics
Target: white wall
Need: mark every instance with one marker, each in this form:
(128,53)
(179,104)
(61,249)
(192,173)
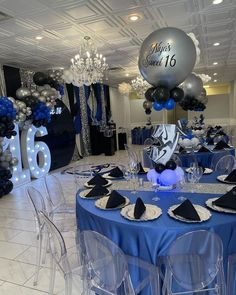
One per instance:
(217,111)
(129,113)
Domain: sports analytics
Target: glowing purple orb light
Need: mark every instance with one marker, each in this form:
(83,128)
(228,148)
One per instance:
(168,177)
(152,176)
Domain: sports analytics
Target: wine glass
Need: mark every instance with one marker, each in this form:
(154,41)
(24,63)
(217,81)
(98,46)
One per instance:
(134,169)
(155,187)
(198,174)
(126,175)
(181,185)
(192,178)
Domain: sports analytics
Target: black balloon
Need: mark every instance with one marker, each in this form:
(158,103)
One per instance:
(161,94)
(39,78)
(148,94)
(30,101)
(177,94)
(171,165)
(159,167)
(148,111)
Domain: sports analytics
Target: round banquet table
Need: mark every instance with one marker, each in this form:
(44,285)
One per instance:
(205,158)
(150,240)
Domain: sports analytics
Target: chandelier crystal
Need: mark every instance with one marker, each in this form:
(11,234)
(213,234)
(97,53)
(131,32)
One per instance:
(140,85)
(88,66)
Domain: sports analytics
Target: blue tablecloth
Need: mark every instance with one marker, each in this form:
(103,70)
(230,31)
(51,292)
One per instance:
(149,240)
(204,158)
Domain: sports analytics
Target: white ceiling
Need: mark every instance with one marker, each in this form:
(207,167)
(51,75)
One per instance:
(63,23)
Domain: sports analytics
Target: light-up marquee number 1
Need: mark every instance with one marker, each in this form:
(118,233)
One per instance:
(35,155)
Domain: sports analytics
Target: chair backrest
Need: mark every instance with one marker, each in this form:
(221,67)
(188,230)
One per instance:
(106,263)
(57,244)
(37,202)
(217,156)
(226,164)
(177,160)
(195,259)
(54,191)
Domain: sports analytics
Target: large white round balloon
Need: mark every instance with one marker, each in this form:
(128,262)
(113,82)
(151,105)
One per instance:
(166,57)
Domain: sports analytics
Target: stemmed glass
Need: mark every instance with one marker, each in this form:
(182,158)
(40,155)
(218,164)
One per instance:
(192,178)
(198,174)
(126,175)
(181,185)
(134,169)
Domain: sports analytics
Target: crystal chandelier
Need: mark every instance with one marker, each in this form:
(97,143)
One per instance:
(140,85)
(88,66)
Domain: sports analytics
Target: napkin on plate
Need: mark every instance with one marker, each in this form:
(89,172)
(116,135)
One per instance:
(203,149)
(210,141)
(226,201)
(115,200)
(232,176)
(97,180)
(97,191)
(221,145)
(141,170)
(139,208)
(187,211)
(116,172)
(182,150)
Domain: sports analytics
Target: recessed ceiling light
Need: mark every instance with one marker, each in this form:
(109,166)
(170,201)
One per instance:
(216,44)
(217,1)
(127,74)
(215,63)
(38,37)
(206,86)
(215,74)
(61,68)
(134,17)
(215,81)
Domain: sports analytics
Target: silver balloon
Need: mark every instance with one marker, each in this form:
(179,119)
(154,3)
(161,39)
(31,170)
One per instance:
(22,92)
(5,164)
(40,88)
(45,92)
(8,158)
(21,105)
(42,98)
(24,110)
(14,161)
(192,85)
(202,95)
(22,117)
(47,87)
(36,94)
(12,99)
(147,104)
(49,105)
(166,57)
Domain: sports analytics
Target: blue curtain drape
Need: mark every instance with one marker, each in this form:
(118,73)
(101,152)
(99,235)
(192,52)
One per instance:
(97,92)
(77,121)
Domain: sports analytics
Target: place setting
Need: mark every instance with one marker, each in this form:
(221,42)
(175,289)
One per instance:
(114,201)
(98,180)
(228,179)
(189,212)
(225,203)
(97,191)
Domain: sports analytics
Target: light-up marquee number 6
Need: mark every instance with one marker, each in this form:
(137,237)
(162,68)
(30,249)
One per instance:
(35,155)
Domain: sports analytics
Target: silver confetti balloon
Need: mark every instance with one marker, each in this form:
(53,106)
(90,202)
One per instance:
(22,92)
(36,94)
(192,85)
(166,57)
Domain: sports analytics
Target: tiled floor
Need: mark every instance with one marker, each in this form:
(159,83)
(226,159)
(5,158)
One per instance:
(17,238)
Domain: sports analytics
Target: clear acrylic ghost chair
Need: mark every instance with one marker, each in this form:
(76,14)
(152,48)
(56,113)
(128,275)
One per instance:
(68,264)
(194,264)
(38,204)
(216,157)
(226,164)
(108,269)
(231,275)
(177,160)
(148,141)
(61,210)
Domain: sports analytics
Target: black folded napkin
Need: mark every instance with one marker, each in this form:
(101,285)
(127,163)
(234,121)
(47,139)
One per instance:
(221,145)
(203,149)
(202,166)
(116,172)
(210,141)
(97,191)
(226,201)
(221,132)
(141,170)
(182,150)
(187,211)
(232,176)
(115,200)
(139,208)
(97,180)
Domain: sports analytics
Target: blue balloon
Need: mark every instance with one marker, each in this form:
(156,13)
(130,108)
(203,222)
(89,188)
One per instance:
(157,106)
(170,104)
